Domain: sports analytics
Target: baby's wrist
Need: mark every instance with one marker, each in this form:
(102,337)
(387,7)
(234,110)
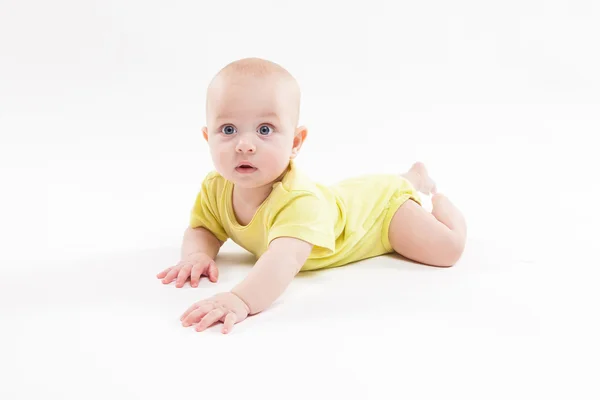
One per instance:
(195,253)
(233,292)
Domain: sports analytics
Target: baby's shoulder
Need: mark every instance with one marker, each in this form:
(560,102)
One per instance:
(300,190)
(211,176)
(296,182)
(213,183)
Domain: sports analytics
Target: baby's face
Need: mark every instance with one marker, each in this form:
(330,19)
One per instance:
(251,125)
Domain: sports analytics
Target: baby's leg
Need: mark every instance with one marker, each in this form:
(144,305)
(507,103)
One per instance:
(436,238)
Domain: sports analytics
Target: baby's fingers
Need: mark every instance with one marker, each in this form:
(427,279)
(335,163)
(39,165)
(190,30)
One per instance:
(209,319)
(171,275)
(195,276)
(229,322)
(164,273)
(197,314)
(183,275)
(213,272)
(189,310)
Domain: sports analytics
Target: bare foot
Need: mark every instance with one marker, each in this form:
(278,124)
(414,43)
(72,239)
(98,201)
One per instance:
(420,179)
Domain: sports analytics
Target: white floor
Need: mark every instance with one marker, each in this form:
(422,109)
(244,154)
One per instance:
(101,157)
(502,323)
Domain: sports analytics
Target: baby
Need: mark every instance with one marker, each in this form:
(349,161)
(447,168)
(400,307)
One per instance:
(260,199)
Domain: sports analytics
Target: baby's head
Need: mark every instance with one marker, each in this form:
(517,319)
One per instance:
(252,111)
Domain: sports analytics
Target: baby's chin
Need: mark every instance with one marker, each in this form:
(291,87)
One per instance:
(254,180)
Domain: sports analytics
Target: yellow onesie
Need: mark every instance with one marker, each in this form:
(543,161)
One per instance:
(346,222)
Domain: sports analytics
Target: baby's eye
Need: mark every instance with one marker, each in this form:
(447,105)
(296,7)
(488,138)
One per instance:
(264,130)
(228,130)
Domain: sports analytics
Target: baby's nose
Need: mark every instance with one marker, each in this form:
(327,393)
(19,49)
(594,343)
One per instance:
(245,146)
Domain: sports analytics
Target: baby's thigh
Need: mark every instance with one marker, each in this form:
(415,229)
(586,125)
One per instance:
(416,234)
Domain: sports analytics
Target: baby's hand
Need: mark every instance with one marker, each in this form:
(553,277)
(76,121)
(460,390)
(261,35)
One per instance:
(192,266)
(226,307)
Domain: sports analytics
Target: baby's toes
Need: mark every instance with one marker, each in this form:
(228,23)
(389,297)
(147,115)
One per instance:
(419,168)
(434,188)
(429,186)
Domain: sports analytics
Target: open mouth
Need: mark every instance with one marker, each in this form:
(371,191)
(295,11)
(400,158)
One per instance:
(245,168)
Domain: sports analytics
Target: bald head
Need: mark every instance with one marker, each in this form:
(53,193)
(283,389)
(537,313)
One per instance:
(245,70)
(256,67)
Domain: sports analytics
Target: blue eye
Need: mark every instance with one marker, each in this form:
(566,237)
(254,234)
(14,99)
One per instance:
(264,130)
(228,130)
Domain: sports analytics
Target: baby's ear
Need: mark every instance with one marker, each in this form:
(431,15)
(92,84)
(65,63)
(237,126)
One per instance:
(205,133)
(300,135)
(299,138)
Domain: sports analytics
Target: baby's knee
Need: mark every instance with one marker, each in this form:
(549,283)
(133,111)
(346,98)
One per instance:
(452,252)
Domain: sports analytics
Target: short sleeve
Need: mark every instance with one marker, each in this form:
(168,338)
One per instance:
(205,210)
(309,218)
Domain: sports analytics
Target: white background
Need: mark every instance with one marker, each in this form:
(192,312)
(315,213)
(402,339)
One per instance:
(101,156)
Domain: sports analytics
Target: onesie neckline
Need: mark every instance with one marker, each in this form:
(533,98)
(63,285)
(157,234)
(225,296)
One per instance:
(229,199)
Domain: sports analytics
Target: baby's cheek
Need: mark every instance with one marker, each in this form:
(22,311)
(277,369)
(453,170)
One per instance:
(218,159)
(279,161)
(220,154)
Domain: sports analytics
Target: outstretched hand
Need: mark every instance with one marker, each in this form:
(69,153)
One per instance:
(225,307)
(192,266)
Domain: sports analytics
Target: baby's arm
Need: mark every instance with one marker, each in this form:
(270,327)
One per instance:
(200,240)
(267,280)
(272,273)
(198,251)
